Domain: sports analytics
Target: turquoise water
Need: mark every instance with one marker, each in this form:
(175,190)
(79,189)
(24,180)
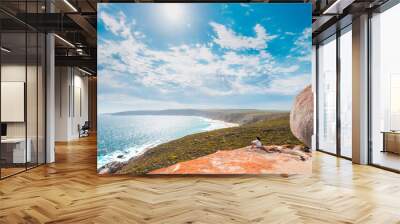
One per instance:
(122,137)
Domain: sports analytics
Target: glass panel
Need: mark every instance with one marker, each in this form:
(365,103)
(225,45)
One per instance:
(41,99)
(31,100)
(13,86)
(23,90)
(346,94)
(31,88)
(327,96)
(385,93)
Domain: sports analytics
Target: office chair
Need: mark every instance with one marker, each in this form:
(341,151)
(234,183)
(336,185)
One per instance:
(84,130)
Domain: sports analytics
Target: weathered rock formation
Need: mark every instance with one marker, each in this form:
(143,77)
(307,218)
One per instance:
(301,116)
(111,167)
(281,159)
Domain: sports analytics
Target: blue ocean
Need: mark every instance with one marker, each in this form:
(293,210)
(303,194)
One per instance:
(121,137)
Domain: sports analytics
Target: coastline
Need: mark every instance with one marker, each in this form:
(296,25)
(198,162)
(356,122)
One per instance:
(239,116)
(218,124)
(127,154)
(273,131)
(123,156)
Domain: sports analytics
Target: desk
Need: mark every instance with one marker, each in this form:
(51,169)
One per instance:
(19,155)
(391,141)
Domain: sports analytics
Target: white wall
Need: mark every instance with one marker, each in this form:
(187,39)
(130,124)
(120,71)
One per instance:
(70,84)
(62,81)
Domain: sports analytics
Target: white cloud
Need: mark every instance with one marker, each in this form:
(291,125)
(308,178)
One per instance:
(249,10)
(289,85)
(302,46)
(194,68)
(111,103)
(286,70)
(102,6)
(227,38)
(306,58)
(108,79)
(303,41)
(116,25)
(281,85)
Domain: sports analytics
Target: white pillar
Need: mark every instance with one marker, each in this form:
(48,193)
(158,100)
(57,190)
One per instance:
(360,90)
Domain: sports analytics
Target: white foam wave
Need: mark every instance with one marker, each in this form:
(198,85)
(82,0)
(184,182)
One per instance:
(126,154)
(218,124)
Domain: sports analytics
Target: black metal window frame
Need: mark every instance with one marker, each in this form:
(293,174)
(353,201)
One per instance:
(44,95)
(338,33)
(389,4)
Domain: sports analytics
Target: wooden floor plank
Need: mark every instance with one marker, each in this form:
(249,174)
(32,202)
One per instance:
(70,191)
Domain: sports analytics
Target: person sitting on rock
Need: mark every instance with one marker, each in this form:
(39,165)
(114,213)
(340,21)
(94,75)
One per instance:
(257,143)
(295,151)
(292,151)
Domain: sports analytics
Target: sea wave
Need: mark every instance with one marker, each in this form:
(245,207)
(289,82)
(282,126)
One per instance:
(128,153)
(218,124)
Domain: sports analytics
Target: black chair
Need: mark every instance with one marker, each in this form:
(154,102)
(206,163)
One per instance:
(84,130)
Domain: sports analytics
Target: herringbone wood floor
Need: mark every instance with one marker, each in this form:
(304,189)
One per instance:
(70,191)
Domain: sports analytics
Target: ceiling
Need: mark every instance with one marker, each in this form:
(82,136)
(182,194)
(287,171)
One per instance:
(75,22)
(332,15)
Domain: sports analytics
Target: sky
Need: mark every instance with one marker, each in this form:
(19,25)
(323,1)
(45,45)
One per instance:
(154,56)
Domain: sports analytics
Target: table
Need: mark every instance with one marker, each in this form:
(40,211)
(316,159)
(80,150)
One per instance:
(391,141)
(19,155)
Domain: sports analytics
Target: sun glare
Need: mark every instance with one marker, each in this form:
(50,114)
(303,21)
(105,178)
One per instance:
(173,12)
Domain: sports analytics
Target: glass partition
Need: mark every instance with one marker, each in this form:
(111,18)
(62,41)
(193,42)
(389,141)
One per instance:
(327,95)
(22,77)
(41,96)
(31,100)
(14,154)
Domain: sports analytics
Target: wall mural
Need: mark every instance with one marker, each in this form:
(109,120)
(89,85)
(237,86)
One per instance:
(216,88)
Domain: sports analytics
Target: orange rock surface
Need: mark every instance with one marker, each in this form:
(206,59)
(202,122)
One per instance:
(241,161)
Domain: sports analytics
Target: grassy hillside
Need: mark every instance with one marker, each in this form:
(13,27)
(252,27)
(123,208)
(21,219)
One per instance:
(274,130)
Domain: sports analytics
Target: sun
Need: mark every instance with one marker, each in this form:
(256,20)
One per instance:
(173,12)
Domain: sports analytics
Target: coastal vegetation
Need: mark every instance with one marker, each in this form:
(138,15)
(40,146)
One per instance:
(272,127)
